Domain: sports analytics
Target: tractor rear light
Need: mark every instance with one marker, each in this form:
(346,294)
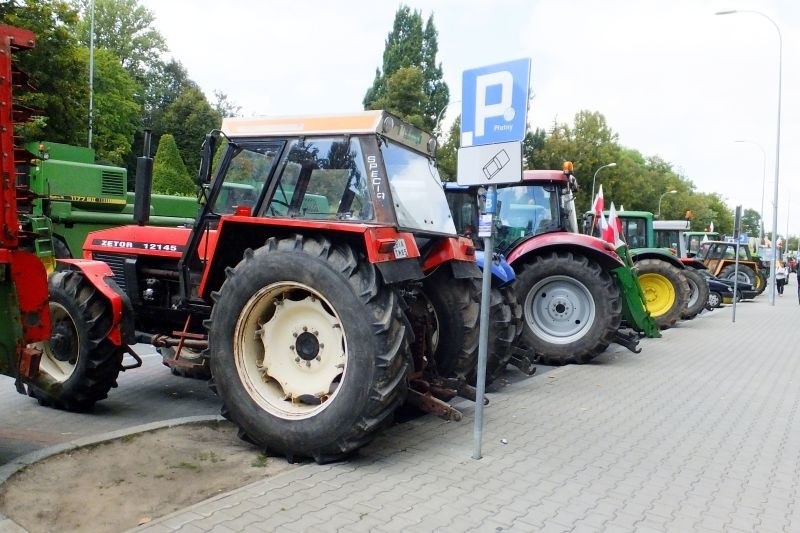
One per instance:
(469,249)
(243,211)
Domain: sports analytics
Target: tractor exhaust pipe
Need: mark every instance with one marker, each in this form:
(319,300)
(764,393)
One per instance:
(144,184)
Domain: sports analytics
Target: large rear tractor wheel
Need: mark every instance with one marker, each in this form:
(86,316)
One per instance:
(308,348)
(746,274)
(453,306)
(665,290)
(505,317)
(79,365)
(698,294)
(571,308)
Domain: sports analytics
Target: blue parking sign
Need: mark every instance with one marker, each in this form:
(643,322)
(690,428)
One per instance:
(494,103)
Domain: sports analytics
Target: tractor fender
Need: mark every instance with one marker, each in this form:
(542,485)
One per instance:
(695,264)
(502,273)
(656,253)
(122,330)
(30,281)
(592,247)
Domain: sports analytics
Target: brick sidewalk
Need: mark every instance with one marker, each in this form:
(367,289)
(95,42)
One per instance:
(700,432)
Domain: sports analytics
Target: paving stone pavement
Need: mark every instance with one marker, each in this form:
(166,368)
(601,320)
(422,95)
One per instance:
(700,432)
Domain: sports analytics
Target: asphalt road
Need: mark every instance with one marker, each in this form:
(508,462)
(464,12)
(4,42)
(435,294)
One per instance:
(147,394)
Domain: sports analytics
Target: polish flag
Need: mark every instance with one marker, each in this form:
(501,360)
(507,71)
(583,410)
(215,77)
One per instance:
(711,227)
(614,232)
(597,203)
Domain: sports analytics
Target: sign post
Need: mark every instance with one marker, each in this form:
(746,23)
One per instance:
(493,122)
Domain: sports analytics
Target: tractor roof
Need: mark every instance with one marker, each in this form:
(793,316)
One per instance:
(380,122)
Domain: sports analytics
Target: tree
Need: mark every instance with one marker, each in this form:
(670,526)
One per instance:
(224,106)
(751,222)
(116,113)
(56,70)
(409,46)
(169,173)
(126,28)
(447,153)
(189,118)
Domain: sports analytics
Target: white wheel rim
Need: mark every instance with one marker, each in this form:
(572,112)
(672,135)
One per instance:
(559,309)
(61,325)
(290,350)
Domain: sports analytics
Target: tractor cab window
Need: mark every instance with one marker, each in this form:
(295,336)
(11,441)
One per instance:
(323,179)
(634,231)
(526,210)
(417,193)
(244,179)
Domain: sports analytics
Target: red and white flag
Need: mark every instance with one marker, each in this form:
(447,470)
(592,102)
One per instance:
(597,203)
(614,232)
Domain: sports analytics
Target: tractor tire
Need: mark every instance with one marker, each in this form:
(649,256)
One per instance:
(79,364)
(746,274)
(503,311)
(60,249)
(698,294)
(665,289)
(454,308)
(190,356)
(308,348)
(762,283)
(571,308)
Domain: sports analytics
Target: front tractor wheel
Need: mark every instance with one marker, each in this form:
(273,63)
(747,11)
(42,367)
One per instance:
(665,289)
(308,349)
(79,364)
(698,294)
(571,308)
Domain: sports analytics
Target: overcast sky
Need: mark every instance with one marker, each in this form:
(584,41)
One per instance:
(671,78)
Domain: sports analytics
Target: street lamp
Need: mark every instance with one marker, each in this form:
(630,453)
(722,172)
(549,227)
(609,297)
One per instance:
(673,191)
(777,148)
(763,185)
(591,200)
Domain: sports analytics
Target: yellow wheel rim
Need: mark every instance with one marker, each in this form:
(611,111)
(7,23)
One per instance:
(659,293)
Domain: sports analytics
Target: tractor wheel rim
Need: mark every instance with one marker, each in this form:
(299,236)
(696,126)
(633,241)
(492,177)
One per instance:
(658,292)
(694,292)
(60,355)
(559,309)
(290,350)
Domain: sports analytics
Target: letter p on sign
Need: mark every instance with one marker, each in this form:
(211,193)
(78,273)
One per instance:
(495,103)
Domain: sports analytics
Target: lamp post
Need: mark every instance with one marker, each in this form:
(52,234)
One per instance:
(673,191)
(763,186)
(593,178)
(777,148)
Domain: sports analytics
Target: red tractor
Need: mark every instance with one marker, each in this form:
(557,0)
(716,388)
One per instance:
(70,356)
(574,289)
(322,284)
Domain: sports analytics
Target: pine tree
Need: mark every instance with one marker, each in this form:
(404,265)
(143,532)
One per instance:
(169,173)
(416,96)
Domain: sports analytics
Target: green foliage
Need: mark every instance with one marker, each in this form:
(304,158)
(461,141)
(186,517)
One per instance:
(116,113)
(751,222)
(447,153)
(409,46)
(189,118)
(55,68)
(125,28)
(169,173)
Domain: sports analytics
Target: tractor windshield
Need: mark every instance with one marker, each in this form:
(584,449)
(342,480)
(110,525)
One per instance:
(525,211)
(417,193)
(323,178)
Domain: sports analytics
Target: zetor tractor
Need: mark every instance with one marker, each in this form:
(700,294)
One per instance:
(322,281)
(85,327)
(574,289)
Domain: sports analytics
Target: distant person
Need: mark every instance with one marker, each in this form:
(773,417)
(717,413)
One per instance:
(781,276)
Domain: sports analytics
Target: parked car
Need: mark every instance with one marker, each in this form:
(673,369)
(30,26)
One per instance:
(721,290)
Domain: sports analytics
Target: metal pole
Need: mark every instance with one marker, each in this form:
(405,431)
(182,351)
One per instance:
(777,149)
(483,332)
(91,70)
(763,187)
(591,200)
